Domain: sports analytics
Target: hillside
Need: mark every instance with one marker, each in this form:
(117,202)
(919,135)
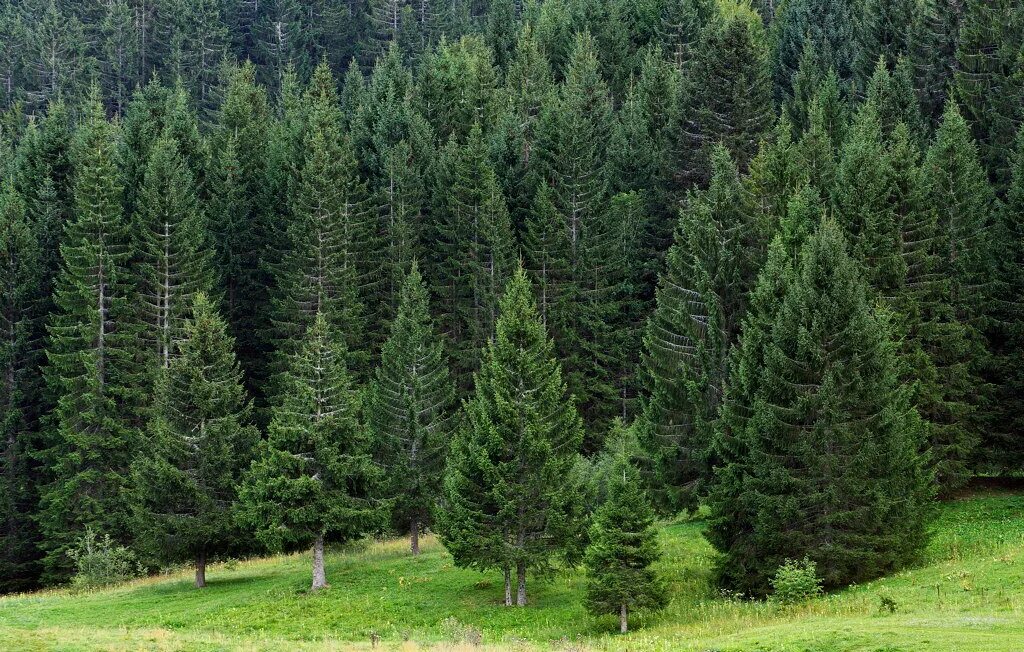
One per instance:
(966,595)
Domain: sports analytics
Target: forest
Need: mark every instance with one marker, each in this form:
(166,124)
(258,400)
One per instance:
(531,276)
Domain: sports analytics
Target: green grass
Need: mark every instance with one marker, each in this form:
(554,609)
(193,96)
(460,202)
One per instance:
(967,594)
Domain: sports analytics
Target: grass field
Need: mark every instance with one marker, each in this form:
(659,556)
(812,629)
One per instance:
(967,595)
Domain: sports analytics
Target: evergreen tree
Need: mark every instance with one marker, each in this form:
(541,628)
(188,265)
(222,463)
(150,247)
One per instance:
(200,441)
(829,460)
(410,409)
(726,99)
(309,483)
(172,250)
(92,353)
(510,500)
(988,83)
(701,300)
(320,268)
(473,251)
(881,29)
(932,43)
(20,354)
(623,547)
(957,305)
(1005,425)
(826,28)
(239,221)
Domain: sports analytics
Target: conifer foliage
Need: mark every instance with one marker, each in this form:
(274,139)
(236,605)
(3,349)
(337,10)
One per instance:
(830,462)
(309,483)
(410,409)
(510,500)
(623,547)
(200,440)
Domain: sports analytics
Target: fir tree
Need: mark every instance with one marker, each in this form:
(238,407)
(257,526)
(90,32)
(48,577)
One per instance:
(410,409)
(623,547)
(20,387)
(701,300)
(173,253)
(960,284)
(473,251)
(829,461)
(200,441)
(92,353)
(309,483)
(510,502)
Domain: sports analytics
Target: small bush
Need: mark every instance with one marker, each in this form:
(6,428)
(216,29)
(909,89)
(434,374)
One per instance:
(100,562)
(458,632)
(796,581)
(886,603)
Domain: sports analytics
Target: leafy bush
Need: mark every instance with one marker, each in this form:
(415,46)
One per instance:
(796,581)
(887,603)
(100,562)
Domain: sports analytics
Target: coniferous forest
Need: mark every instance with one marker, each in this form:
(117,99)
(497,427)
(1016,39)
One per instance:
(526,274)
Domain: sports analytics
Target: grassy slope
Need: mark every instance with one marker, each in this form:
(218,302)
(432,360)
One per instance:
(967,595)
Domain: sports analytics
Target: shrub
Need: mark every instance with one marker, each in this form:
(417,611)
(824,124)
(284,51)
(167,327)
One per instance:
(100,562)
(887,603)
(796,581)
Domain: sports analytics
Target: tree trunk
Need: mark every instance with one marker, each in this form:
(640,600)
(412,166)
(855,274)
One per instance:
(319,574)
(521,577)
(508,586)
(201,570)
(414,536)
(623,625)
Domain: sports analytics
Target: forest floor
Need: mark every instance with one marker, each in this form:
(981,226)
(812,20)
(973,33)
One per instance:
(966,595)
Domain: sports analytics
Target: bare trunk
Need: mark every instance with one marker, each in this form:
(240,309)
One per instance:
(508,586)
(414,536)
(521,580)
(623,626)
(319,574)
(201,570)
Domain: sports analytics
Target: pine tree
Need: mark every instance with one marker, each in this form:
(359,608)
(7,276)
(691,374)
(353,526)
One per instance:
(309,483)
(510,501)
(174,258)
(20,387)
(457,88)
(826,28)
(200,441)
(881,29)
(932,43)
(410,409)
(623,547)
(701,300)
(92,353)
(828,463)
(681,25)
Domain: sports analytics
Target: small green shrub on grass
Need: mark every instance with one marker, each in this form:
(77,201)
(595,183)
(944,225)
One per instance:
(100,562)
(796,581)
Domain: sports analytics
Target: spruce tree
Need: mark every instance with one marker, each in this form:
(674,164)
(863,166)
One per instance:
(310,481)
(92,358)
(173,254)
(828,461)
(410,410)
(200,441)
(20,387)
(623,547)
(510,501)
(701,300)
(472,251)
(957,302)
(240,219)
(726,98)
(988,84)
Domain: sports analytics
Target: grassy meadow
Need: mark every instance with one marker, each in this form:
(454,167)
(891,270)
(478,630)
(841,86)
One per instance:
(966,595)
